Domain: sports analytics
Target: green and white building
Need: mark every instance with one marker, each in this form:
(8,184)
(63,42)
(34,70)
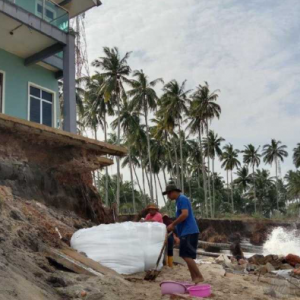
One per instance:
(36,50)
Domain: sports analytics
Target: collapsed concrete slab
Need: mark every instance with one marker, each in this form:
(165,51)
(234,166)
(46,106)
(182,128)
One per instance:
(53,166)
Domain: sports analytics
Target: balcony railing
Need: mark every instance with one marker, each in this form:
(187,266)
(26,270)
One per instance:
(46,10)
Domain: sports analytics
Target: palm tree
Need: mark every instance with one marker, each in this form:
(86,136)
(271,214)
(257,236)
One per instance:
(115,71)
(230,161)
(243,178)
(161,132)
(212,148)
(95,105)
(174,103)
(144,99)
(206,109)
(130,122)
(296,156)
(252,158)
(275,153)
(196,125)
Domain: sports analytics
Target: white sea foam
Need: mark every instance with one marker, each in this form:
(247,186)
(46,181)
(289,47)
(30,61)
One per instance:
(283,242)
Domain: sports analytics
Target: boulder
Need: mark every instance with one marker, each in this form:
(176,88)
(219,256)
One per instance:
(293,260)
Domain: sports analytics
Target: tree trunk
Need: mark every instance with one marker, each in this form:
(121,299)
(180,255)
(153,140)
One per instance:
(254,187)
(118,158)
(144,185)
(170,157)
(213,184)
(228,196)
(181,158)
(276,170)
(161,189)
(106,168)
(208,166)
(203,172)
(138,181)
(149,149)
(199,190)
(147,177)
(232,202)
(165,177)
(177,167)
(156,189)
(132,182)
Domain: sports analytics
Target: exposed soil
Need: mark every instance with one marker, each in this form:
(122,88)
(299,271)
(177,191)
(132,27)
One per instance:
(54,174)
(27,227)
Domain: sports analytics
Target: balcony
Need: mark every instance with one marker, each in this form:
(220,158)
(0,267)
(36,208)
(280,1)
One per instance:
(47,10)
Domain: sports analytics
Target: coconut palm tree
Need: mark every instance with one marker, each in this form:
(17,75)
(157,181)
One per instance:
(161,132)
(230,162)
(97,106)
(174,103)
(212,148)
(130,122)
(115,72)
(207,109)
(296,156)
(144,99)
(275,153)
(243,179)
(196,126)
(252,157)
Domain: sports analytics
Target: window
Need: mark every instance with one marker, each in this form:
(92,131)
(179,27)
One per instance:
(1,92)
(49,13)
(40,106)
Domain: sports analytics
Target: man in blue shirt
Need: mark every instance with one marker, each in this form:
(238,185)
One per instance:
(187,230)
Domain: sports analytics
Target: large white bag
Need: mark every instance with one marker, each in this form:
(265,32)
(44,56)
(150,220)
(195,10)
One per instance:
(126,247)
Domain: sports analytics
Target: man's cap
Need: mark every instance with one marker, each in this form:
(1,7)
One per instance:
(170,188)
(152,206)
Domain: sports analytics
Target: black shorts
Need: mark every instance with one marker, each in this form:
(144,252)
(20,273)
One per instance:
(189,245)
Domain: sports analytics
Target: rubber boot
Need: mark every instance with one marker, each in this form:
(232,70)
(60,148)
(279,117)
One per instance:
(170,261)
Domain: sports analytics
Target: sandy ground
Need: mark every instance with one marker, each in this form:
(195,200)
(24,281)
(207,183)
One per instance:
(26,227)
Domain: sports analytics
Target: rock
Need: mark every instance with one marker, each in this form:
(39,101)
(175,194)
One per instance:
(56,281)
(262,270)
(83,294)
(270,268)
(257,259)
(286,267)
(270,292)
(293,260)
(17,215)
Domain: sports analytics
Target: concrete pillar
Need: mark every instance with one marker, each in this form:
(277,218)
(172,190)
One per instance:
(69,85)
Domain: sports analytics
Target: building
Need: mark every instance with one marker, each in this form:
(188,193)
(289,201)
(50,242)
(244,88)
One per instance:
(37,49)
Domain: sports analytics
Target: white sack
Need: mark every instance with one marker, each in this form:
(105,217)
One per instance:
(126,247)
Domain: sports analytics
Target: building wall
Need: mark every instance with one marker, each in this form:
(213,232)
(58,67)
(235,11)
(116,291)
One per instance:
(17,77)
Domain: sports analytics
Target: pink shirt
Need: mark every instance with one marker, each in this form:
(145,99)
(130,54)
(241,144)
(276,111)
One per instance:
(157,218)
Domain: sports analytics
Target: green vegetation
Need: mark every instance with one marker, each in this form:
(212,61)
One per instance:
(168,137)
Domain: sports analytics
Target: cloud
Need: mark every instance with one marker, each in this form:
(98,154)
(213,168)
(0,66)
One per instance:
(247,49)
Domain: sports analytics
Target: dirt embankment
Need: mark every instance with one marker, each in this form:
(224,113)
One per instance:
(54,174)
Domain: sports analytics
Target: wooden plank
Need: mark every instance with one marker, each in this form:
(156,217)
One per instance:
(70,263)
(88,262)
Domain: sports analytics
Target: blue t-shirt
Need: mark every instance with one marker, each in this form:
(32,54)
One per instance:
(189,225)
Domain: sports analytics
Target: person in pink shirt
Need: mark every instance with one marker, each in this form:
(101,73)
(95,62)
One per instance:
(153,214)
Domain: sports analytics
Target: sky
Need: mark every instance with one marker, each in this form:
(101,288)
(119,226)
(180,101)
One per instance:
(249,50)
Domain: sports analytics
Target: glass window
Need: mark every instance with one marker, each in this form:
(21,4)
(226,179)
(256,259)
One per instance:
(35,92)
(47,113)
(47,96)
(41,106)
(35,110)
